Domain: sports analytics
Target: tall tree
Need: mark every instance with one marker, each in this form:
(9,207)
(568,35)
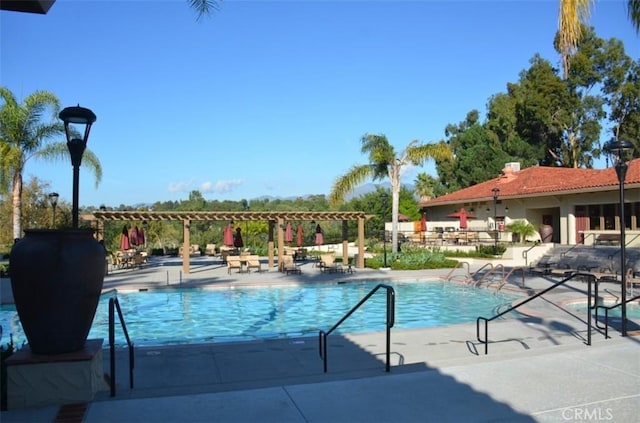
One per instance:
(24,135)
(572,16)
(383,163)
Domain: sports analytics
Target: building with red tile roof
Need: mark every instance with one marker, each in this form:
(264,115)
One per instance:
(578,204)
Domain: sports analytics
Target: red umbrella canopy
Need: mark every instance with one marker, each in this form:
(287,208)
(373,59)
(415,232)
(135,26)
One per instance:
(300,235)
(227,236)
(319,236)
(288,234)
(124,239)
(423,222)
(462,215)
(141,239)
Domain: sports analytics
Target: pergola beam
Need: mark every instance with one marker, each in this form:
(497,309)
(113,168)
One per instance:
(274,218)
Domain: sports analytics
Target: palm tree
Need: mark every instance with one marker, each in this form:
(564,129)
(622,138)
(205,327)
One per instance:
(573,14)
(384,162)
(204,7)
(24,135)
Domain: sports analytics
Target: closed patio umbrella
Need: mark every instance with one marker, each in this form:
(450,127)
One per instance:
(300,235)
(423,222)
(237,239)
(124,239)
(288,234)
(141,237)
(319,236)
(227,236)
(133,236)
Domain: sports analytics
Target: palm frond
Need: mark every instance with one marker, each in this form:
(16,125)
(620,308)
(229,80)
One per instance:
(345,184)
(204,7)
(633,7)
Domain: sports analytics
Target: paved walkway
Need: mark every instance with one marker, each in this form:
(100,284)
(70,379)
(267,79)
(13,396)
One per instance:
(538,368)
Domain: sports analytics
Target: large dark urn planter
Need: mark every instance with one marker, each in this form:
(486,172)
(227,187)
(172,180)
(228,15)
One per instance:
(56,278)
(546,233)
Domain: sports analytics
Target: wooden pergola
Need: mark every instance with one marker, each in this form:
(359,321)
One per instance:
(276,219)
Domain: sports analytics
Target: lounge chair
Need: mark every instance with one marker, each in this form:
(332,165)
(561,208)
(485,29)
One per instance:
(542,266)
(233,262)
(210,250)
(288,265)
(632,281)
(253,262)
(328,264)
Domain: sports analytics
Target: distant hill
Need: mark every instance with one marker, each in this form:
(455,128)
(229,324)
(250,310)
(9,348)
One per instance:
(359,191)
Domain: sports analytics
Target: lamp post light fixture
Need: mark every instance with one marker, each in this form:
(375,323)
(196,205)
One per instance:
(619,148)
(495,219)
(79,116)
(53,200)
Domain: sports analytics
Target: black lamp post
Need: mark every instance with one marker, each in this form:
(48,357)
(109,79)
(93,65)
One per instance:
(79,116)
(384,231)
(619,148)
(53,200)
(495,219)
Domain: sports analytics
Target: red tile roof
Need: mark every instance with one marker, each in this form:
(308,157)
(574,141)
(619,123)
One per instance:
(539,180)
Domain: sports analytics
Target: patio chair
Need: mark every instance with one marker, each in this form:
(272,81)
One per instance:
(632,281)
(210,250)
(289,265)
(253,262)
(233,262)
(542,266)
(328,264)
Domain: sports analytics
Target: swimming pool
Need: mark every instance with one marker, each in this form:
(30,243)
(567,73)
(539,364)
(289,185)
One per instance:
(633,309)
(202,315)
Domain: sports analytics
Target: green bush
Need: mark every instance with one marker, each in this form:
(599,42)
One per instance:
(412,258)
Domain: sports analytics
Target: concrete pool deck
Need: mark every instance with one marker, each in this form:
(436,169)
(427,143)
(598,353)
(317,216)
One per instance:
(537,369)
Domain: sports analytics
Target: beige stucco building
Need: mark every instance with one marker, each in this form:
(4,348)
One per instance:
(565,205)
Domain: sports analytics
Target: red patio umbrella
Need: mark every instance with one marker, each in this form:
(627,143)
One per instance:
(133,236)
(141,236)
(319,236)
(288,234)
(124,239)
(462,215)
(423,222)
(227,236)
(300,235)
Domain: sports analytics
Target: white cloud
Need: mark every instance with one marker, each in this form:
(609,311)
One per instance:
(178,186)
(220,187)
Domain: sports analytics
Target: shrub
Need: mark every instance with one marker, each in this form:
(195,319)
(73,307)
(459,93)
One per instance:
(412,258)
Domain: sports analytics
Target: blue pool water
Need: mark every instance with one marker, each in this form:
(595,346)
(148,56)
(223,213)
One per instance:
(182,316)
(633,309)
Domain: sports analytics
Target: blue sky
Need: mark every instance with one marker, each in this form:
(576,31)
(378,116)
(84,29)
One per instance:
(268,97)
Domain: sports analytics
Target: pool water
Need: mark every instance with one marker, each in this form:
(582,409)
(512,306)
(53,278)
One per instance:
(197,315)
(633,309)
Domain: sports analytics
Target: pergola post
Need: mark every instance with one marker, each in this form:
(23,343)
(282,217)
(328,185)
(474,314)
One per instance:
(360,264)
(270,244)
(345,242)
(185,246)
(280,241)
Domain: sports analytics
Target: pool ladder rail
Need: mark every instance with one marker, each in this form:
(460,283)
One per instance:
(113,306)
(592,295)
(488,274)
(389,322)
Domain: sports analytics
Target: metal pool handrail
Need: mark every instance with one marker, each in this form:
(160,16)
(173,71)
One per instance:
(114,304)
(391,307)
(590,279)
(606,314)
